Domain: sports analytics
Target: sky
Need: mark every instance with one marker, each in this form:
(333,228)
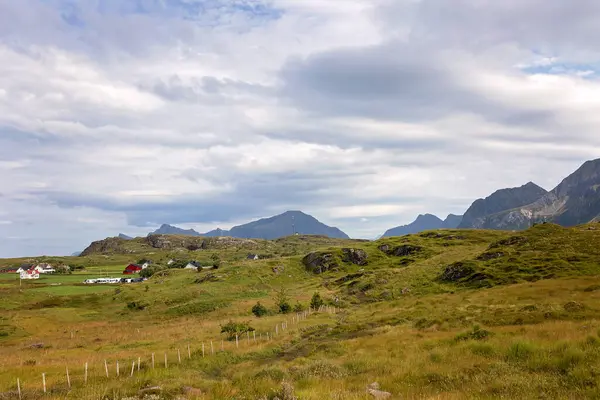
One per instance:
(120,115)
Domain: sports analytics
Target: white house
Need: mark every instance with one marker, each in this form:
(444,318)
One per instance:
(145,265)
(45,268)
(30,274)
(171,261)
(253,257)
(192,265)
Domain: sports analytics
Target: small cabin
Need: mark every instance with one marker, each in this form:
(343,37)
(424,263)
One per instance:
(132,269)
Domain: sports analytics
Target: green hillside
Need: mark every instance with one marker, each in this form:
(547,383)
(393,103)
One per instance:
(445,314)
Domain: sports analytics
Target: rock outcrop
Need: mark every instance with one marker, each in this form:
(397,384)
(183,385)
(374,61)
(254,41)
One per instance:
(108,245)
(319,262)
(355,256)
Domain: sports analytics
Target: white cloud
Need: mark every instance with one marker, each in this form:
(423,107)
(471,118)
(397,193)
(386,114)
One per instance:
(363,113)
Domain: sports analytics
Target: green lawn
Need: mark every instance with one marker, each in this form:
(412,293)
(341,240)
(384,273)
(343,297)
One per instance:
(68,290)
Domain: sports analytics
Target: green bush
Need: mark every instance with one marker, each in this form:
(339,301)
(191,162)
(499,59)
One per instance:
(285,308)
(259,310)
(299,307)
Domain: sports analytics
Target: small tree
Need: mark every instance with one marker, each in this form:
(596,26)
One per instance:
(316,302)
(259,310)
(233,329)
(283,301)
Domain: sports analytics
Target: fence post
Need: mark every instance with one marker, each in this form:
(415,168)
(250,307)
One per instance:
(139,362)
(132,368)
(189,352)
(152,360)
(202,349)
(106,368)
(254,335)
(179,356)
(44,381)
(248,337)
(166,364)
(19,388)
(117,368)
(68,378)
(277,329)
(236,342)
(212,349)
(86,374)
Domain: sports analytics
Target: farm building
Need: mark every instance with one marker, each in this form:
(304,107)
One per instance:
(252,257)
(8,270)
(193,265)
(23,268)
(45,268)
(31,273)
(132,269)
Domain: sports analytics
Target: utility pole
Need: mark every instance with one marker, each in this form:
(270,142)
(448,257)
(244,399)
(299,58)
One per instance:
(293,226)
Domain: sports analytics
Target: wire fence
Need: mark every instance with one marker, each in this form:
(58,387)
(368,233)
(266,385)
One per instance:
(108,369)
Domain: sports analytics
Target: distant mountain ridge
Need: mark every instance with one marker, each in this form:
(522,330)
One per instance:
(425,222)
(166,229)
(500,200)
(576,200)
(286,224)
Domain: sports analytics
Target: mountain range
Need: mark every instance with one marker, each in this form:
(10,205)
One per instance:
(286,224)
(574,201)
(425,222)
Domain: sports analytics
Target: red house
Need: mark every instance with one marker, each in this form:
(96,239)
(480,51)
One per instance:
(132,269)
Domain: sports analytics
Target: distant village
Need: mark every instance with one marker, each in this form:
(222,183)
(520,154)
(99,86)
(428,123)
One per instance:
(34,271)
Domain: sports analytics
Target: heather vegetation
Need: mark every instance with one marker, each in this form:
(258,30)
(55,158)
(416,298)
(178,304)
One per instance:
(443,314)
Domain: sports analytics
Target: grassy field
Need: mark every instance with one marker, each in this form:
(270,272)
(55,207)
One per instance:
(440,315)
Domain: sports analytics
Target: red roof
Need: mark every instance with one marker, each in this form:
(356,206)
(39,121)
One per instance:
(132,268)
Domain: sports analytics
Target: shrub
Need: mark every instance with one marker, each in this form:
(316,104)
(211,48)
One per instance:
(216,260)
(476,334)
(299,307)
(316,301)
(233,329)
(133,305)
(150,271)
(259,310)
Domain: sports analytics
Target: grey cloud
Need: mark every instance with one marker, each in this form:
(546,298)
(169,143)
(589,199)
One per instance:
(390,81)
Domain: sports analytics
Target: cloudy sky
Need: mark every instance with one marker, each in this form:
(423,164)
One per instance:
(119,115)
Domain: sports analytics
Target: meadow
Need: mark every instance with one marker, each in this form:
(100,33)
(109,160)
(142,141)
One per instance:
(440,315)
